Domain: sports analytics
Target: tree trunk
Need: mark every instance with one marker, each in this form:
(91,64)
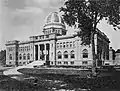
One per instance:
(93,53)
(93,45)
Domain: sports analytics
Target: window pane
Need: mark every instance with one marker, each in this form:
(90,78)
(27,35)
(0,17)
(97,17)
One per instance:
(63,44)
(10,57)
(72,62)
(59,55)
(24,57)
(85,62)
(85,53)
(65,62)
(28,56)
(20,56)
(65,54)
(72,54)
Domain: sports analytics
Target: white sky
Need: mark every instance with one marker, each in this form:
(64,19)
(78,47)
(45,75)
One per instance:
(20,19)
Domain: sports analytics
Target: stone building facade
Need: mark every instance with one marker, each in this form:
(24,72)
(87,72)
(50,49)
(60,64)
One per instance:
(117,57)
(111,60)
(111,54)
(56,47)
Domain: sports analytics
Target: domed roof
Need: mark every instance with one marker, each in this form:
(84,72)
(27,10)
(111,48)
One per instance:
(54,20)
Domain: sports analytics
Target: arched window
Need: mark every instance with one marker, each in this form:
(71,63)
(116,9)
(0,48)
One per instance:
(65,54)
(72,54)
(56,18)
(20,56)
(85,53)
(24,57)
(28,56)
(59,55)
(10,56)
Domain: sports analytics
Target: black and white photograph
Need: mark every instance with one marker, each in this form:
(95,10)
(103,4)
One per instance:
(59,45)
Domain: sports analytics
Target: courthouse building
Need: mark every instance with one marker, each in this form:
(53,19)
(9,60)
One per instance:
(56,47)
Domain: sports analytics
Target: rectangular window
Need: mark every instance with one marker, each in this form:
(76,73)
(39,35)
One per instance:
(72,62)
(24,62)
(59,62)
(84,62)
(39,37)
(70,44)
(72,55)
(51,62)
(67,44)
(9,62)
(42,36)
(57,45)
(85,55)
(60,45)
(26,48)
(73,43)
(58,31)
(63,44)
(47,36)
(65,62)
(59,56)
(65,55)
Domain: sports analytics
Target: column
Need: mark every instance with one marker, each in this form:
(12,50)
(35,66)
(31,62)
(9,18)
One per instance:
(105,51)
(45,51)
(34,52)
(54,46)
(51,52)
(38,52)
(77,50)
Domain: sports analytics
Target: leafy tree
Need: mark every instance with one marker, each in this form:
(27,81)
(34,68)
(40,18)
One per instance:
(3,57)
(86,14)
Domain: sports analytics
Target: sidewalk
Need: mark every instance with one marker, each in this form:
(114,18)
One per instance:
(13,71)
(4,68)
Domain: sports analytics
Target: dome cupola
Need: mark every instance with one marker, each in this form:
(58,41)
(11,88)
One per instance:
(54,24)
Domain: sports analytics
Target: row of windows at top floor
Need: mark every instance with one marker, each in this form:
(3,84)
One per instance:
(25,48)
(66,44)
(48,32)
(41,37)
(52,31)
(11,48)
(21,57)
